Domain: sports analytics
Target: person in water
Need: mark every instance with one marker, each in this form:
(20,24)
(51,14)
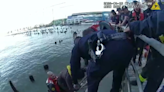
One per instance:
(63,82)
(75,37)
(110,60)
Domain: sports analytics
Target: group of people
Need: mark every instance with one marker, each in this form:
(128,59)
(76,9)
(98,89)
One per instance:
(104,50)
(124,16)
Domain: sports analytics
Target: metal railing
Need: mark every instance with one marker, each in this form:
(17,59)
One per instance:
(126,80)
(83,83)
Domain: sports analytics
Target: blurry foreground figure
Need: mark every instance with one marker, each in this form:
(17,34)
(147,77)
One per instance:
(152,27)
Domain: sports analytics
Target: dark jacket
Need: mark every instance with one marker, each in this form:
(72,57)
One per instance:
(151,27)
(115,19)
(121,17)
(147,12)
(161,4)
(127,15)
(65,81)
(81,50)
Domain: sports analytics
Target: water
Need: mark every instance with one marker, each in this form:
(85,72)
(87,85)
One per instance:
(22,56)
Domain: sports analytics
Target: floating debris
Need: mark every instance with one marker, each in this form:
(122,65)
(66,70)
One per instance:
(13,87)
(46,67)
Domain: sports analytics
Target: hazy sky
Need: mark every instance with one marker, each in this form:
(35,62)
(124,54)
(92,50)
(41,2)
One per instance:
(21,13)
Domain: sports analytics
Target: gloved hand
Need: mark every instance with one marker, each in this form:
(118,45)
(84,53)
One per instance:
(76,86)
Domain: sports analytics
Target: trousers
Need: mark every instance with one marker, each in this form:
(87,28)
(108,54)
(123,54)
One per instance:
(155,74)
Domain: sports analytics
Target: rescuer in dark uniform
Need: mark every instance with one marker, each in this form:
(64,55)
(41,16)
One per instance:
(126,16)
(114,17)
(121,15)
(146,69)
(113,57)
(152,27)
(137,14)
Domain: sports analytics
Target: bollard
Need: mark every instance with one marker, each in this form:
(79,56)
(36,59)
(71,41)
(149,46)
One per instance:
(13,87)
(31,78)
(46,67)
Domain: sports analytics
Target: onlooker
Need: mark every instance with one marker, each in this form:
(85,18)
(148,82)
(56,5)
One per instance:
(126,16)
(121,15)
(137,13)
(114,17)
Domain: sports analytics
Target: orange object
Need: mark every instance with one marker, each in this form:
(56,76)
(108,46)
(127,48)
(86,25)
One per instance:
(95,27)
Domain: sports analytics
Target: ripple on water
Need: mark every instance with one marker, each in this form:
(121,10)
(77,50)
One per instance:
(22,56)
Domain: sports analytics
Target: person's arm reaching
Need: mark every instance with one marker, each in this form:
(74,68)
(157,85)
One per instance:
(146,27)
(75,63)
(124,21)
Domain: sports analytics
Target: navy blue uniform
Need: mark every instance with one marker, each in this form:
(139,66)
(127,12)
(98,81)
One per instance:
(115,19)
(152,27)
(147,12)
(145,72)
(121,17)
(139,43)
(161,5)
(116,56)
(127,15)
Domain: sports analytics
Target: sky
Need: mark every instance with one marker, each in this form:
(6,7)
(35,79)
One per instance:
(17,14)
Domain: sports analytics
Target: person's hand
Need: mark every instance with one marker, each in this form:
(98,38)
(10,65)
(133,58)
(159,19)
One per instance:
(127,29)
(76,86)
(112,24)
(119,25)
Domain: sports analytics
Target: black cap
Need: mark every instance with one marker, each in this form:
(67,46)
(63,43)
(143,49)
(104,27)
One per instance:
(124,7)
(118,9)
